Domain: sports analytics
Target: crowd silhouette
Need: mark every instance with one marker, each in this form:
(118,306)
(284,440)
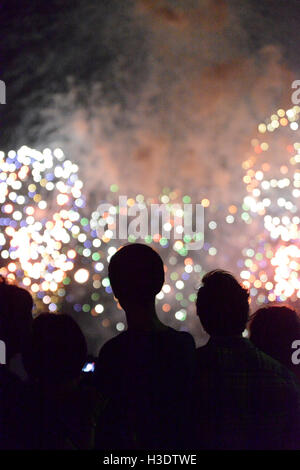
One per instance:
(151,389)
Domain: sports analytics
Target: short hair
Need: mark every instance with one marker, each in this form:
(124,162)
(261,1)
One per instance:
(273,329)
(136,271)
(222,304)
(58,350)
(15,316)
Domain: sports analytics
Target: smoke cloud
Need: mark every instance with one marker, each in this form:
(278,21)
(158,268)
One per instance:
(164,93)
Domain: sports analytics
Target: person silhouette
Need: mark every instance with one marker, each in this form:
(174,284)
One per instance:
(15,324)
(15,333)
(146,371)
(273,329)
(61,410)
(246,399)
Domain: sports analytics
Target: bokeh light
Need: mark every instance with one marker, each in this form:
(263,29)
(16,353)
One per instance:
(271,263)
(40,200)
(51,244)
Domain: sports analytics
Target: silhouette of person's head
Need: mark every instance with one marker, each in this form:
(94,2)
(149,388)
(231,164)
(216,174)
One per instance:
(222,304)
(136,274)
(15,317)
(273,329)
(58,350)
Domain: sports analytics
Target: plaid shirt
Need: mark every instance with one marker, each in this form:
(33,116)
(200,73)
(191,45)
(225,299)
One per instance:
(245,399)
